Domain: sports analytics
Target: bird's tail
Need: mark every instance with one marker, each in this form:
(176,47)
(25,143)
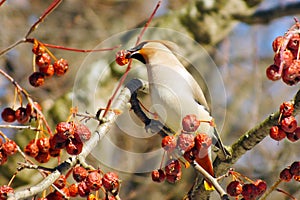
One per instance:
(205,162)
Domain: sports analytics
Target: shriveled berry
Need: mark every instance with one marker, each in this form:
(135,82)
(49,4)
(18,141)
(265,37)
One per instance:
(261,186)
(10,147)
(65,129)
(8,115)
(43,60)
(291,75)
(3,157)
(289,124)
(121,57)
(292,137)
(287,58)
(37,79)
(94,180)
(38,49)
(295,168)
(202,140)
(158,175)
(234,188)
(294,42)
(169,143)
(60,182)
(249,191)
(61,66)
(286,109)
(186,141)
(111,181)
(83,189)
(285,175)
(277,43)
(272,73)
(79,173)
(21,115)
(54,152)
(276,133)
(4,191)
(53,196)
(74,147)
(173,178)
(173,167)
(43,144)
(48,70)
(42,157)
(32,149)
(73,190)
(82,132)
(190,123)
(57,142)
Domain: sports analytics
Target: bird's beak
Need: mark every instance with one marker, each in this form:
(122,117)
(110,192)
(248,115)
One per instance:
(136,53)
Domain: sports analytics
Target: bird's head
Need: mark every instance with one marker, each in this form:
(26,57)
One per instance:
(150,51)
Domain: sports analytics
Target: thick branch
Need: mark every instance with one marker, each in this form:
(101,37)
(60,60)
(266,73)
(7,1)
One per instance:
(98,134)
(245,143)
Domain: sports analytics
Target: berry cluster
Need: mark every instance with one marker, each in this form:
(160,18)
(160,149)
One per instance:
(286,59)
(46,68)
(287,126)
(190,143)
(4,191)
(248,191)
(292,171)
(22,114)
(8,148)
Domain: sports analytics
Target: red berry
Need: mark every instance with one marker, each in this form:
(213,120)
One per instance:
(261,186)
(272,73)
(3,157)
(202,141)
(53,196)
(74,147)
(169,143)
(297,132)
(295,168)
(48,70)
(277,43)
(83,189)
(91,197)
(289,124)
(111,181)
(121,57)
(82,132)
(79,173)
(292,137)
(10,147)
(94,180)
(42,157)
(65,129)
(61,67)
(249,191)
(286,109)
(234,188)
(287,58)
(43,60)
(190,155)
(32,149)
(185,141)
(291,75)
(4,191)
(60,182)
(54,152)
(57,142)
(30,111)
(73,190)
(173,178)
(21,115)
(173,167)
(38,49)
(277,133)
(285,175)
(190,123)
(294,42)
(43,144)
(158,175)
(37,79)
(297,178)
(8,115)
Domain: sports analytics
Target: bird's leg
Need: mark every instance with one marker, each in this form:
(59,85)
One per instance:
(102,118)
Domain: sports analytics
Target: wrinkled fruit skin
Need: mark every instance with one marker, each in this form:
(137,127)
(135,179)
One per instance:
(234,188)
(158,175)
(110,181)
(190,123)
(169,143)
(285,175)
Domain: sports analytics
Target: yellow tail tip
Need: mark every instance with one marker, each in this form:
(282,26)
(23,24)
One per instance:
(208,186)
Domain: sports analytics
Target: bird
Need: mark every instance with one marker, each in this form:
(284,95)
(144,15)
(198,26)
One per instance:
(174,92)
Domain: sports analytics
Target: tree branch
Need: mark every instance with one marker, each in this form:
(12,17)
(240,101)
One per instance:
(245,143)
